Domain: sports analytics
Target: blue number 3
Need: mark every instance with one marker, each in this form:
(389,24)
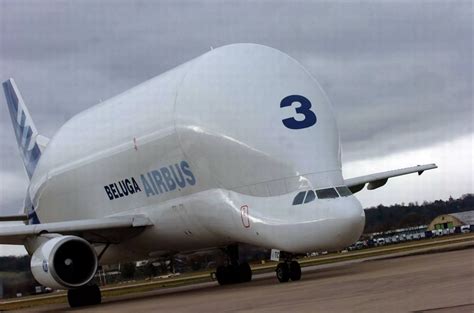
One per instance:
(304,108)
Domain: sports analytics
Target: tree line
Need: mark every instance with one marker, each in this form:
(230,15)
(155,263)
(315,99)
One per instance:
(383,218)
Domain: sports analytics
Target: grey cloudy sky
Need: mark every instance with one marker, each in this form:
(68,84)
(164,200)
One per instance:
(399,73)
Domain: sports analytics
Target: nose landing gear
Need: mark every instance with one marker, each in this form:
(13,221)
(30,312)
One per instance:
(287,270)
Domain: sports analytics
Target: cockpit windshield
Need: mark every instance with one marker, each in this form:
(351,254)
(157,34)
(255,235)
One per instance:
(310,196)
(299,198)
(344,191)
(325,193)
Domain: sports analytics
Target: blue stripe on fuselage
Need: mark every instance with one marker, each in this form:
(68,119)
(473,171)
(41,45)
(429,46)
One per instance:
(30,211)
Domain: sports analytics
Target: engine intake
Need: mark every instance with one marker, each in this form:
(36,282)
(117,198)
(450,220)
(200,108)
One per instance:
(64,262)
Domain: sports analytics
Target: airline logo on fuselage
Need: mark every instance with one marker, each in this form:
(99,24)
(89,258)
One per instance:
(154,183)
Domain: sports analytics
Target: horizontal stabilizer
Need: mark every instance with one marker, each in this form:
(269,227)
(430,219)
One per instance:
(377,180)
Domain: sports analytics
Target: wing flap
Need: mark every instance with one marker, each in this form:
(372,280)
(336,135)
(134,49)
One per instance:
(109,229)
(378,180)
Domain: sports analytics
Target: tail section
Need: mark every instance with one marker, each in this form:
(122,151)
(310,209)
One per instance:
(25,131)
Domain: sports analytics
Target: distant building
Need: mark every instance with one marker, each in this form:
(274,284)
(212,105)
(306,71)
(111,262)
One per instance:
(452,220)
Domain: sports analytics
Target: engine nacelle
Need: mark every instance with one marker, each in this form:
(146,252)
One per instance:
(64,262)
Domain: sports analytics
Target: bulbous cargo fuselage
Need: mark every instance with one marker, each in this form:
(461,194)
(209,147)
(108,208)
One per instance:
(240,122)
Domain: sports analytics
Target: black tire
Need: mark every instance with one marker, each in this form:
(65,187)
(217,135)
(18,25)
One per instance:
(245,272)
(221,275)
(87,295)
(95,296)
(234,274)
(295,271)
(74,298)
(283,272)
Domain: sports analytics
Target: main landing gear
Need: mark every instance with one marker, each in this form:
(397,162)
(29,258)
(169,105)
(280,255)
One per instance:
(86,295)
(288,269)
(234,272)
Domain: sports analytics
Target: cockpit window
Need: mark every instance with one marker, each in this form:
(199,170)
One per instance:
(327,193)
(310,196)
(299,198)
(344,191)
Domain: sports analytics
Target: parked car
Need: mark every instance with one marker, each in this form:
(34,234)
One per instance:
(395,239)
(359,245)
(465,229)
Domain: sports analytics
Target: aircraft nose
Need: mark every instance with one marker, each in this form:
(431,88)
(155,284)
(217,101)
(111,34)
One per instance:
(352,222)
(337,228)
(356,211)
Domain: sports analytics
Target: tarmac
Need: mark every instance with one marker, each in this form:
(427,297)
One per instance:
(436,282)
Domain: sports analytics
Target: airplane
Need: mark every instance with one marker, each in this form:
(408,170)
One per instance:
(237,146)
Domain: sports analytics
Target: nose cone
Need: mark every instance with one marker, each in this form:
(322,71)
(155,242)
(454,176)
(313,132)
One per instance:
(351,224)
(333,226)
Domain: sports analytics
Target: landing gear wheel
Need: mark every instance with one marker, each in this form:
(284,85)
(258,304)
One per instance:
(283,272)
(245,272)
(222,275)
(234,272)
(295,271)
(87,295)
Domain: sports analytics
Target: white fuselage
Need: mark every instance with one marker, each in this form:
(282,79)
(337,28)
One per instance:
(203,152)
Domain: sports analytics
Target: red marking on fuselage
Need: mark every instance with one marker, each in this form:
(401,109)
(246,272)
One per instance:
(244,215)
(135,143)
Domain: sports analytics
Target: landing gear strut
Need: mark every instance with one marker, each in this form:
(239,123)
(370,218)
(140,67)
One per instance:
(86,295)
(234,272)
(288,270)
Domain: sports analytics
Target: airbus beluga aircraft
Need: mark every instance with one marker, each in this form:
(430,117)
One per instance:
(237,146)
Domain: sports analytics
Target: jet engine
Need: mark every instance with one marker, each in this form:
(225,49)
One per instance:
(64,262)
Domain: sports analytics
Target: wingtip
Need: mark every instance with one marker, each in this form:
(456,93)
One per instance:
(427,167)
(431,165)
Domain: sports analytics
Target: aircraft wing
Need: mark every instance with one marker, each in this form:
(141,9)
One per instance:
(102,230)
(377,180)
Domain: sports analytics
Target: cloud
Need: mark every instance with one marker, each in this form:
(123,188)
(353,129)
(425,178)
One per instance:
(396,102)
(453,177)
(12,192)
